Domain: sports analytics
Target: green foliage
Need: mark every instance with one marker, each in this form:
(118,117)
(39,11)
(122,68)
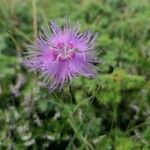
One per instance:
(111,111)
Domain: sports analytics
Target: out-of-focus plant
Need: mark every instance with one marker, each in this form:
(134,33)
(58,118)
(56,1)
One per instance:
(110,111)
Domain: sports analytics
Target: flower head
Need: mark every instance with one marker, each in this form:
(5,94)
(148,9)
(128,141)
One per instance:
(62,53)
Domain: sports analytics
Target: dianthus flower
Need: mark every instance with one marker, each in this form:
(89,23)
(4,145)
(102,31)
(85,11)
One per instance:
(61,54)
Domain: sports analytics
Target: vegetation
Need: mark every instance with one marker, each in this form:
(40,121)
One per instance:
(109,112)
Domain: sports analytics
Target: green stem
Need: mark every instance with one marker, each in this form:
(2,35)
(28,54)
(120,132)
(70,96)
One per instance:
(72,98)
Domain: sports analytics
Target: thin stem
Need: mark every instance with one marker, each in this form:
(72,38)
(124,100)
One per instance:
(34,19)
(84,116)
(72,98)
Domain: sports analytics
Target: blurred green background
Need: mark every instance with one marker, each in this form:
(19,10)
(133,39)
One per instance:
(109,112)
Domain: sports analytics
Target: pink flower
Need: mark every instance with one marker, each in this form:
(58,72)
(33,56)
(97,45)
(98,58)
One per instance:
(62,54)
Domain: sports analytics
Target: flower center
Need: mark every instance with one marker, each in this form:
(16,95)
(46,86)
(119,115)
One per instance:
(64,51)
(67,56)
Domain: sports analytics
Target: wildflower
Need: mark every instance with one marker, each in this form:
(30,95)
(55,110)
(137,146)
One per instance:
(61,54)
